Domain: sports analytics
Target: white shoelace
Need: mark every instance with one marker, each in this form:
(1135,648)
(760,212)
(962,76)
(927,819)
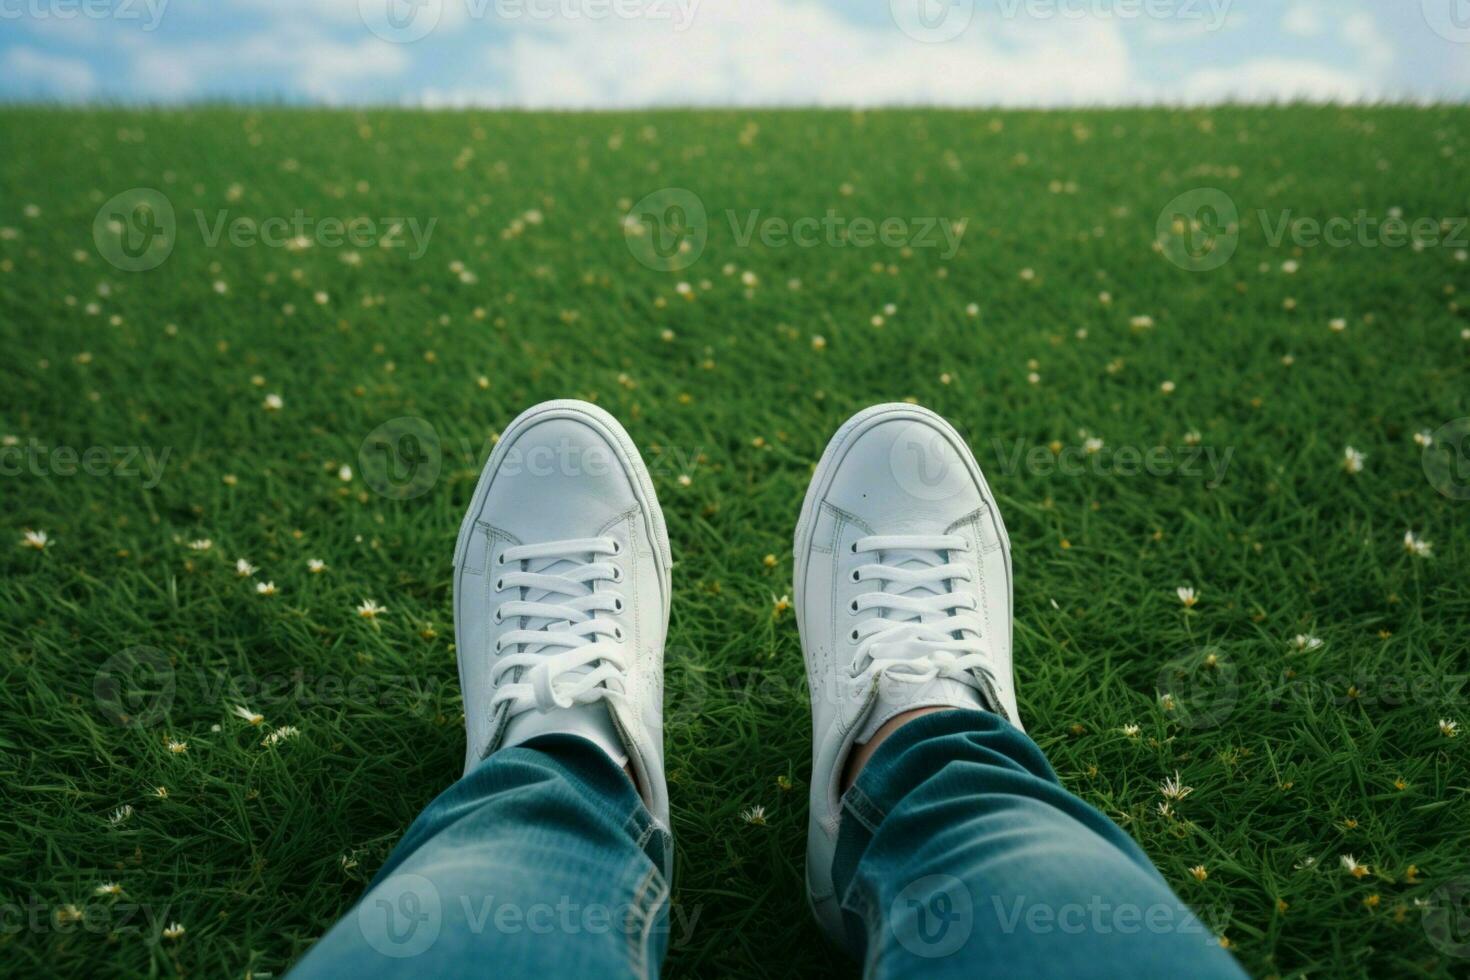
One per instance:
(918,630)
(560,647)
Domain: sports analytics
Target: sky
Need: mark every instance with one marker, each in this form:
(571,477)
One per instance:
(635,53)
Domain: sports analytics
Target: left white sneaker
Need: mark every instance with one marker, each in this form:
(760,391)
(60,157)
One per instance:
(561,594)
(903,599)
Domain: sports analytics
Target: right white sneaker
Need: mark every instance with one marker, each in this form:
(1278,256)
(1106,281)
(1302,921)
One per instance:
(561,594)
(903,599)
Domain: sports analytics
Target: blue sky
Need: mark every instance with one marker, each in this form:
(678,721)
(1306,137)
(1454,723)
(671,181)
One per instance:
(598,53)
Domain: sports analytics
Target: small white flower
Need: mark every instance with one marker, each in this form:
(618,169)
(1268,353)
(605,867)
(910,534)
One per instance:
(200,544)
(1187,596)
(35,539)
(972,310)
(174,932)
(1167,387)
(108,888)
(1131,730)
(1351,866)
(1092,444)
(315,566)
(265,588)
(754,815)
(177,747)
(1424,439)
(1305,641)
(1290,266)
(121,814)
(1141,322)
(1352,460)
(345,473)
(1192,437)
(240,711)
(1448,727)
(243,568)
(1174,788)
(272,403)
(368,609)
(1337,325)
(280,735)
(1417,546)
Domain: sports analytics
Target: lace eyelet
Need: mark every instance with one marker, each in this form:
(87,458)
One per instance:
(618,633)
(617,575)
(854,634)
(499,618)
(500,585)
(854,605)
(617,548)
(617,605)
(854,547)
(855,577)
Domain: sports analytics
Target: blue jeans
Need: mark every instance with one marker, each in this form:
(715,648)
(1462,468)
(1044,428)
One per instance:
(959,854)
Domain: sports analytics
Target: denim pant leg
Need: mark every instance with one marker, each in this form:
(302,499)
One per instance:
(961,855)
(541,862)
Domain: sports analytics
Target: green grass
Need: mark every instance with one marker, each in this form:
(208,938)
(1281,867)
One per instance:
(247,850)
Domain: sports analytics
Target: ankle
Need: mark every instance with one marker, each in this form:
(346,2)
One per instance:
(862,753)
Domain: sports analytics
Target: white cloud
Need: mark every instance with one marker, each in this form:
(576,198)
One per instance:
(1304,20)
(782,52)
(38,73)
(314,66)
(1276,79)
(1362,32)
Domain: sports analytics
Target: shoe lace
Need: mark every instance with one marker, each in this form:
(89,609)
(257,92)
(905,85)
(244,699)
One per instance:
(918,628)
(559,654)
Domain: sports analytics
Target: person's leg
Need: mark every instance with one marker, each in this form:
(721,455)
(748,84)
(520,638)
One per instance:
(542,861)
(551,856)
(959,852)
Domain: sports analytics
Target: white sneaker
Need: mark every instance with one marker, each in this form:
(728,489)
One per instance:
(561,594)
(903,599)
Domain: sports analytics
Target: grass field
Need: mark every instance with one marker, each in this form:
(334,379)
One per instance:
(250,372)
